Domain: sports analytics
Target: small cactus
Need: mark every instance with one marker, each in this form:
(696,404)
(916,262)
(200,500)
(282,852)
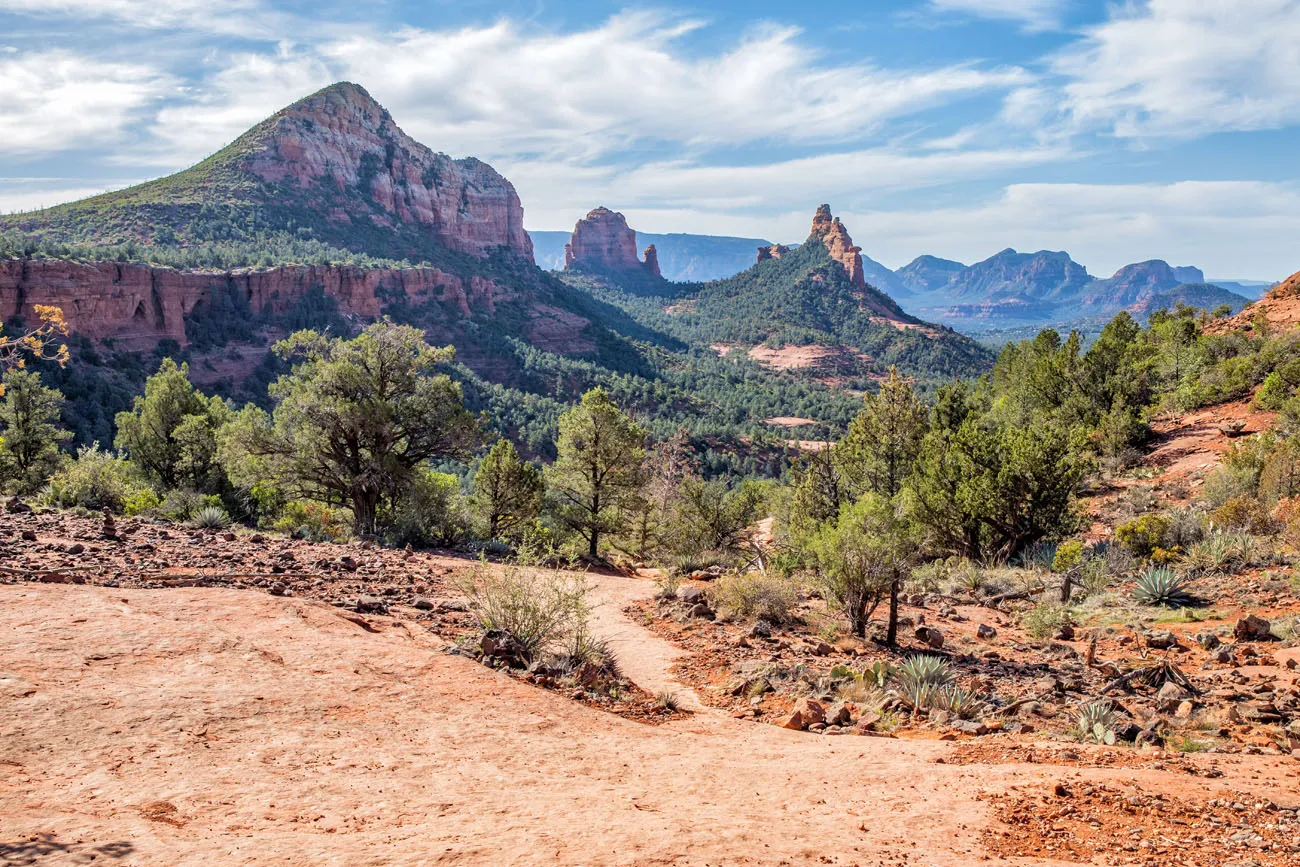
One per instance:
(1097,722)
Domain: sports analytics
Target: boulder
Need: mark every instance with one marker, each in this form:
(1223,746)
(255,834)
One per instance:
(1253,628)
(1161,639)
(986,632)
(691,594)
(930,636)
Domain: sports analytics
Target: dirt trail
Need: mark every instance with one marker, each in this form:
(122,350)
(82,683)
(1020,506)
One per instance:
(644,657)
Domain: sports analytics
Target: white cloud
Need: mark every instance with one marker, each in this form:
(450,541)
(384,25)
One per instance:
(217,16)
(55,100)
(605,91)
(1034,14)
(1243,229)
(1187,67)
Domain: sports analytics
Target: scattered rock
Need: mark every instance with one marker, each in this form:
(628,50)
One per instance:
(691,595)
(371,605)
(986,632)
(1208,640)
(1253,628)
(1161,639)
(930,636)
(423,604)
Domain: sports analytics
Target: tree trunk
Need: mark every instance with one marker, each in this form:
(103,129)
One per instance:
(891,636)
(365,511)
(594,545)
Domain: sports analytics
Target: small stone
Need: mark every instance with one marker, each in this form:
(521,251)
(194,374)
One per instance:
(371,605)
(28,535)
(691,595)
(930,636)
(702,610)
(76,548)
(1066,633)
(986,632)
(1208,640)
(423,604)
(279,589)
(1160,639)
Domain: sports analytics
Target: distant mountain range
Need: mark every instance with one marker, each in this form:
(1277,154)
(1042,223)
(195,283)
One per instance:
(683,258)
(1009,289)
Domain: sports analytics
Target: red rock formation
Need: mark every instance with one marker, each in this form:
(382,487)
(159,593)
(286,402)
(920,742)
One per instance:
(340,138)
(776,251)
(602,241)
(138,305)
(839,244)
(652,260)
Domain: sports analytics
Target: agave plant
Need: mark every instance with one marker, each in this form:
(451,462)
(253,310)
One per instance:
(211,518)
(961,703)
(1162,586)
(924,668)
(1097,721)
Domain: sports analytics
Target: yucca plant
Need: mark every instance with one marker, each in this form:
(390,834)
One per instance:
(211,518)
(1162,586)
(1097,721)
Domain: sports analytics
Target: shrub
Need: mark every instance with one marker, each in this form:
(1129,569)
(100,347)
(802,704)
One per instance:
(540,609)
(757,596)
(95,480)
(434,513)
(182,504)
(143,501)
(1162,586)
(1068,555)
(1045,619)
(1142,536)
(1245,513)
(314,521)
(211,518)
(1223,554)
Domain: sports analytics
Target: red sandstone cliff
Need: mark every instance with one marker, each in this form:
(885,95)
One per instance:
(839,244)
(602,241)
(138,305)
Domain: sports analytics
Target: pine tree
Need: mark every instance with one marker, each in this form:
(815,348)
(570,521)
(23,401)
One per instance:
(507,489)
(597,476)
(29,431)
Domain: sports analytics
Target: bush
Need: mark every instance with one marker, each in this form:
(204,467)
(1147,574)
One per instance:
(314,521)
(142,502)
(540,609)
(95,480)
(1068,555)
(434,513)
(1142,536)
(1045,619)
(1244,513)
(757,596)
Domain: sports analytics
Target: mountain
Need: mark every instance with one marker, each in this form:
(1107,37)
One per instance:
(928,273)
(328,216)
(333,168)
(682,257)
(806,308)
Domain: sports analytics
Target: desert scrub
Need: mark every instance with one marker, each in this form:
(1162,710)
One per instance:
(757,596)
(540,609)
(1045,619)
(95,480)
(1142,537)
(1246,514)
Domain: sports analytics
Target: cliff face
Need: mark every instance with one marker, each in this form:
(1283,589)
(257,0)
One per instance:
(138,305)
(602,241)
(341,139)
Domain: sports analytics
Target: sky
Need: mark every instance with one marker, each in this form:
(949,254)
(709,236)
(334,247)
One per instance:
(1117,131)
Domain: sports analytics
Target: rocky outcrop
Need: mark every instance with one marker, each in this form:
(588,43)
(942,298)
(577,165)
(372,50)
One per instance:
(838,243)
(137,305)
(602,241)
(341,139)
(776,251)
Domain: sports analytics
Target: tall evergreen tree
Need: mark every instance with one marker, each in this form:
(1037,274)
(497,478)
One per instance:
(171,434)
(507,490)
(597,476)
(881,446)
(29,431)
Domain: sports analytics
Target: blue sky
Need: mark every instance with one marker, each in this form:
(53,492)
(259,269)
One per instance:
(1118,131)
